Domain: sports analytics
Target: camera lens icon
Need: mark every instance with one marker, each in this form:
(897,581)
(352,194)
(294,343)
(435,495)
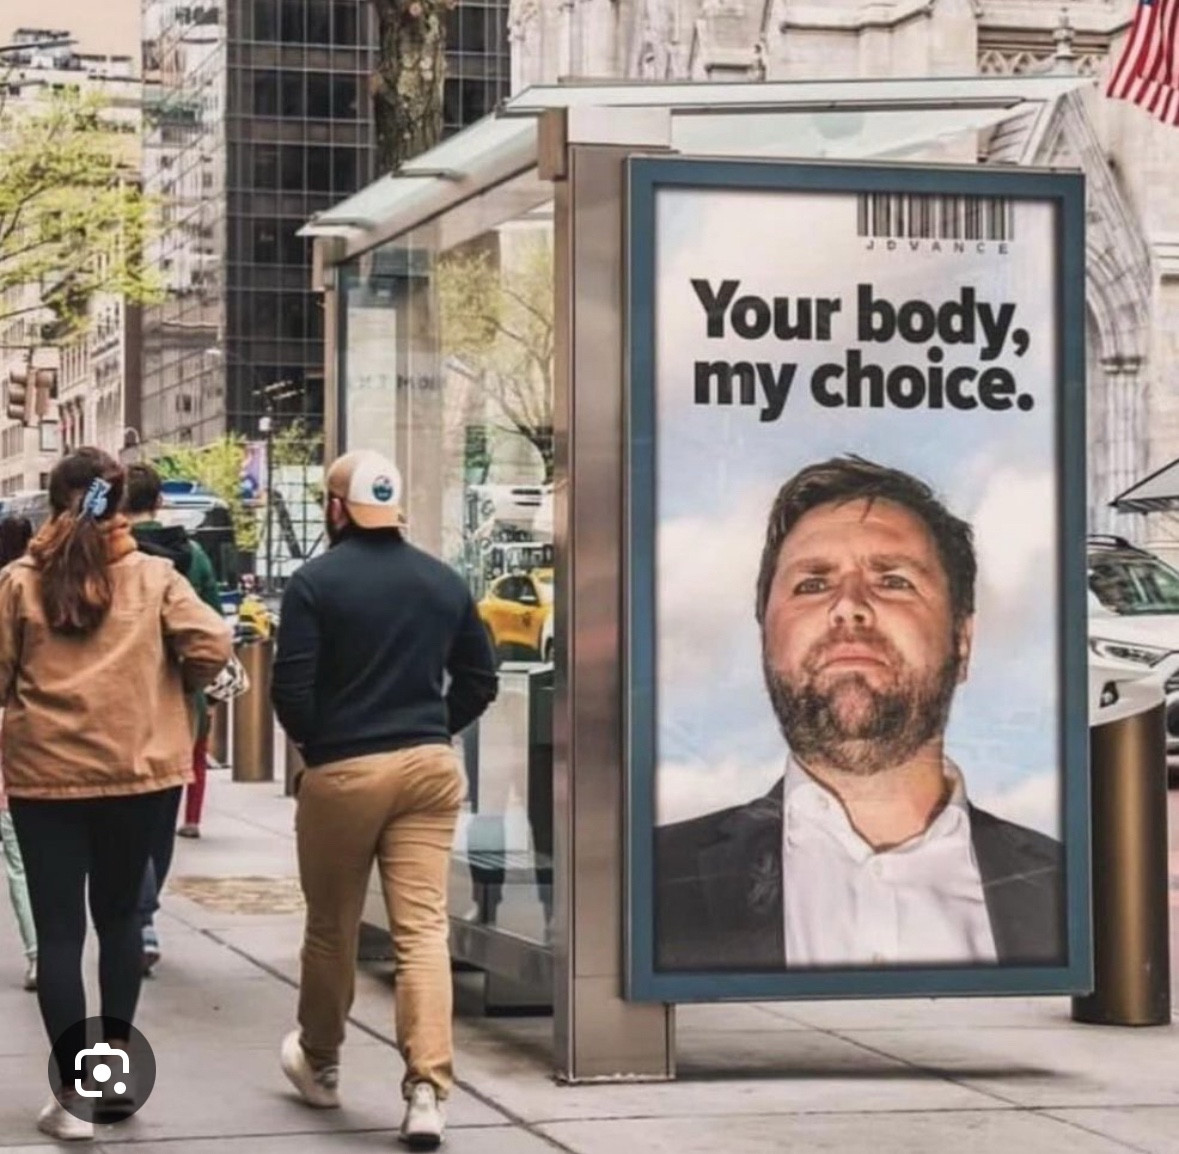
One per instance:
(100,1072)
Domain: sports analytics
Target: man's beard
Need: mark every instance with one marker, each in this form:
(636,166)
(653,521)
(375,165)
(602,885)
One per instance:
(851,726)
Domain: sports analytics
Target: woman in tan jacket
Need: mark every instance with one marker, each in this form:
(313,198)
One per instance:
(98,645)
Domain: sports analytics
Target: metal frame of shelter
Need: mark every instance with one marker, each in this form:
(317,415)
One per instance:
(577,137)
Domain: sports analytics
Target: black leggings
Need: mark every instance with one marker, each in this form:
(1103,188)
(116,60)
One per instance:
(63,843)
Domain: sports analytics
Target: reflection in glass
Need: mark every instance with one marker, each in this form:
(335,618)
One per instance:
(448,367)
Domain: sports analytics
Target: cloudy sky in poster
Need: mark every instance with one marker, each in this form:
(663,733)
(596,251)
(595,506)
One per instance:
(718,470)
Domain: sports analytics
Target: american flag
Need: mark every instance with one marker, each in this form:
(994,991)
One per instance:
(1147,73)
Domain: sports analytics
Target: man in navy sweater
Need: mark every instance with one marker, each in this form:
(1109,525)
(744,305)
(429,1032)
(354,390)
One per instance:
(382,660)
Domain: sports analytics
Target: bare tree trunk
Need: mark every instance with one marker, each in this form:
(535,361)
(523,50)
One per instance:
(407,86)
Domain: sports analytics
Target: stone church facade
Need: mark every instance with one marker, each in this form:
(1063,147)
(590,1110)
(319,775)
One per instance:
(1130,160)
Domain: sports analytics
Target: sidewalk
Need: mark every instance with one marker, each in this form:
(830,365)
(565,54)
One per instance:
(915,1077)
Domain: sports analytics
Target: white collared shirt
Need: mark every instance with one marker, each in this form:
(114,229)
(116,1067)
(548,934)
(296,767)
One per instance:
(920,903)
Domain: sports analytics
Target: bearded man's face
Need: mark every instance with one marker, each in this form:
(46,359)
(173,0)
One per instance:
(859,645)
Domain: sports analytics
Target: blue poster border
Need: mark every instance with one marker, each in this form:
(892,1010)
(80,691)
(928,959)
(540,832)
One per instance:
(1065,190)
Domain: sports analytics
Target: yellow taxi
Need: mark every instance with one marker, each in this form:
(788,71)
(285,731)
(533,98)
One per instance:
(516,610)
(252,614)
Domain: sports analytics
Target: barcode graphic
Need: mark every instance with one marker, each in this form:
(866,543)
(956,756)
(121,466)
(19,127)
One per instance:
(926,217)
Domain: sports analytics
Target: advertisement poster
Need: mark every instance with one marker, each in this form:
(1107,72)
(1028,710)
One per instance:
(858,730)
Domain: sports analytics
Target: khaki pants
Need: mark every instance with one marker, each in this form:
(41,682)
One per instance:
(398,809)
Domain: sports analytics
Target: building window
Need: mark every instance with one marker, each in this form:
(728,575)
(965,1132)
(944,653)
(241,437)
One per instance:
(292,168)
(471,33)
(319,95)
(265,94)
(319,169)
(293,27)
(344,170)
(265,20)
(345,22)
(345,97)
(294,247)
(266,166)
(265,315)
(293,321)
(265,241)
(291,89)
(319,22)
(464,101)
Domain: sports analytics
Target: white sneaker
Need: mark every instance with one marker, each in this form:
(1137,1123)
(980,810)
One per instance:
(318,1088)
(56,1121)
(424,1123)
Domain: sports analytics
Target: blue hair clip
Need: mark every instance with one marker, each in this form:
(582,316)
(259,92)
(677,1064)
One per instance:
(95,502)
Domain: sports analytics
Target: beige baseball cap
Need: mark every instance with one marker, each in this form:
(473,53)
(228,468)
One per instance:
(369,484)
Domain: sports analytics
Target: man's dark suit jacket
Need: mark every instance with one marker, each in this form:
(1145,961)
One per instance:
(718,890)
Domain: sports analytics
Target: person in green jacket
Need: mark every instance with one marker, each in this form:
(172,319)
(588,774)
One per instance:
(143,496)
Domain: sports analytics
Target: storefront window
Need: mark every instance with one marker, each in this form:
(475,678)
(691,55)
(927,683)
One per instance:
(448,346)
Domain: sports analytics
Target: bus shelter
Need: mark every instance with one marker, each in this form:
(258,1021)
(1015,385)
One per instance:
(476,321)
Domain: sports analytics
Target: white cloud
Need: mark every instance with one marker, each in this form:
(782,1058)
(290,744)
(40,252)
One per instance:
(1014,525)
(1033,801)
(706,588)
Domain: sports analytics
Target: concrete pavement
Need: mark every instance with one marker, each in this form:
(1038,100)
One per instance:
(912,1076)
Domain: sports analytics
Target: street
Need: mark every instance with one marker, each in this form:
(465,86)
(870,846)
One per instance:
(904,1077)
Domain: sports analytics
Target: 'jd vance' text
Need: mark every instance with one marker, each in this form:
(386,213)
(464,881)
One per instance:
(854,382)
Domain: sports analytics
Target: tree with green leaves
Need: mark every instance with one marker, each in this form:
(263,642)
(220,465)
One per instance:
(496,315)
(218,467)
(73,220)
(295,444)
(408,83)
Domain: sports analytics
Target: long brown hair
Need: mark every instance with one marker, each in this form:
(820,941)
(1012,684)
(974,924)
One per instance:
(70,551)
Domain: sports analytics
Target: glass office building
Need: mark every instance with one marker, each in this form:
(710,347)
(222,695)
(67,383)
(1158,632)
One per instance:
(258,117)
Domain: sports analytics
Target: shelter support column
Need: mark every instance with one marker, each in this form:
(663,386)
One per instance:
(598,1035)
(327,252)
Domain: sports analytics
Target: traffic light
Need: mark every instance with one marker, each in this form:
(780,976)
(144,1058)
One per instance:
(45,387)
(18,394)
(30,392)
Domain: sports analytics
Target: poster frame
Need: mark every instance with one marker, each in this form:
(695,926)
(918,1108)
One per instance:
(1065,191)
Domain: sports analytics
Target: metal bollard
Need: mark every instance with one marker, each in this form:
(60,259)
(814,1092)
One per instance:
(253,716)
(1131,944)
(294,767)
(219,732)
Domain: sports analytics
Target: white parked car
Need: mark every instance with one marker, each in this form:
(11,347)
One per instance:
(1134,623)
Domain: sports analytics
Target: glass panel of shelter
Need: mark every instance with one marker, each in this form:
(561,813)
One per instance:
(448,364)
